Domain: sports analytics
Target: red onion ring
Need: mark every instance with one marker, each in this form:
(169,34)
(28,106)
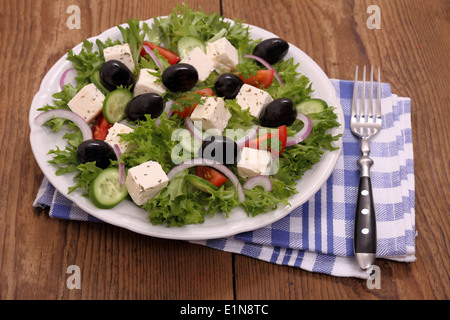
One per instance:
(62,81)
(168,109)
(253,132)
(210,163)
(265,64)
(153,56)
(196,133)
(302,134)
(121,165)
(69,115)
(259,181)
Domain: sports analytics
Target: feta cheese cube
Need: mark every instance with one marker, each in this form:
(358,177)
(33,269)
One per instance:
(250,97)
(113,136)
(145,181)
(200,61)
(121,53)
(212,114)
(148,83)
(254,162)
(224,55)
(87,103)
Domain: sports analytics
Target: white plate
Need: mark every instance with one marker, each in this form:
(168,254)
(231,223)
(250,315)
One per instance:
(127,214)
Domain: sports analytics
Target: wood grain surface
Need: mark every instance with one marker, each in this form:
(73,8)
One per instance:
(412,47)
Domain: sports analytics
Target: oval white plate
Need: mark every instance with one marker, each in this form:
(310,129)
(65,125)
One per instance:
(127,214)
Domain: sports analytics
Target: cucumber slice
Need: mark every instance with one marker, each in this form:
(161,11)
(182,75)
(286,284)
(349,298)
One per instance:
(187,44)
(106,191)
(201,184)
(115,103)
(312,106)
(95,79)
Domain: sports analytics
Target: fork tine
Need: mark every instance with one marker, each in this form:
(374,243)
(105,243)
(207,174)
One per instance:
(370,108)
(379,96)
(363,96)
(354,101)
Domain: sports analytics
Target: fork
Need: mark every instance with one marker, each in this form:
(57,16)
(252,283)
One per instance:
(364,124)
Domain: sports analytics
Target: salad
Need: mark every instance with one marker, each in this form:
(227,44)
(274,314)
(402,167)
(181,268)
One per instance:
(188,117)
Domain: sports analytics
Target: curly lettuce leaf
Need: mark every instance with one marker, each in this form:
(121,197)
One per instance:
(184,21)
(258,201)
(62,98)
(180,203)
(175,206)
(88,60)
(324,121)
(153,141)
(86,173)
(295,86)
(65,159)
(240,118)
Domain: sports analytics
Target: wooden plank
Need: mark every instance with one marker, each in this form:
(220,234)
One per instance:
(412,48)
(35,251)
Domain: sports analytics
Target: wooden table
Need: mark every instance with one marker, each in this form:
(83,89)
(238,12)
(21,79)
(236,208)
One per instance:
(412,46)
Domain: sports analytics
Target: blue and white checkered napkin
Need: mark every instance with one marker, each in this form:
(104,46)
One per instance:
(318,236)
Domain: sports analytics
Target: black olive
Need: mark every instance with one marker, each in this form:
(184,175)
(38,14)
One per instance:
(114,73)
(228,85)
(277,113)
(148,103)
(220,149)
(180,77)
(96,150)
(272,50)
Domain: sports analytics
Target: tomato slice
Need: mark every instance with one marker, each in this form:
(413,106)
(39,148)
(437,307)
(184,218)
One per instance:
(211,175)
(206,92)
(172,57)
(188,110)
(263,78)
(263,142)
(100,128)
(282,136)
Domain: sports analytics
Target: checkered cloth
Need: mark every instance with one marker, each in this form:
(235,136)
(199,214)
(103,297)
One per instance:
(318,236)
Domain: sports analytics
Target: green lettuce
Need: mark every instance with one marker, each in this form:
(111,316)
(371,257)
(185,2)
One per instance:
(152,141)
(184,21)
(180,203)
(296,87)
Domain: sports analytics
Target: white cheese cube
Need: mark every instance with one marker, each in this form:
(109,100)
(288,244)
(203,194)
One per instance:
(200,61)
(113,136)
(148,83)
(250,97)
(145,181)
(88,102)
(212,114)
(121,53)
(254,162)
(224,55)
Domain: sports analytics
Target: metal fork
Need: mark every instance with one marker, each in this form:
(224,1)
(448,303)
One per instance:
(365,123)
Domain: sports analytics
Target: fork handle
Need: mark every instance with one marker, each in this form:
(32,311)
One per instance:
(365,233)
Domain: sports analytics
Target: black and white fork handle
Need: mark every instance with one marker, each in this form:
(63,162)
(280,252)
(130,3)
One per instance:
(365,234)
